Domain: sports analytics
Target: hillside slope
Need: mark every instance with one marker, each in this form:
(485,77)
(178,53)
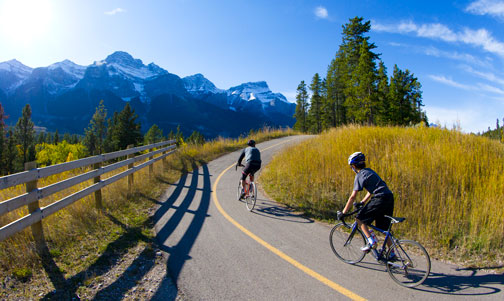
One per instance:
(448,185)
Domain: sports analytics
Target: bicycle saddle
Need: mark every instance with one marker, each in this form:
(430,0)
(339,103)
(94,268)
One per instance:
(396,220)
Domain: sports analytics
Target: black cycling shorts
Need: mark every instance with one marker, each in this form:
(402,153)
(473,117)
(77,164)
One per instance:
(250,169)
(375,210)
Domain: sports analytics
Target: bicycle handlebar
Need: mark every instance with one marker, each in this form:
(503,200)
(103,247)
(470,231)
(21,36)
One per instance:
(341,216)
(236,166)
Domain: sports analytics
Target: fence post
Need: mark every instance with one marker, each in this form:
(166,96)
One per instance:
(37,230)
(165,163)
(130,166)
(98,194)
(151,167)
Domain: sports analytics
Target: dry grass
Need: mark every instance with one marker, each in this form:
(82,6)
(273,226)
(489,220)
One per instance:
(449,185)
(79,235)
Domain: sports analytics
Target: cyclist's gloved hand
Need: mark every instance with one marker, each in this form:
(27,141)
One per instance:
(339,215)
(358,205)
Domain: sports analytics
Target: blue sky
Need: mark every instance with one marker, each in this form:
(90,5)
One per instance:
(455,48)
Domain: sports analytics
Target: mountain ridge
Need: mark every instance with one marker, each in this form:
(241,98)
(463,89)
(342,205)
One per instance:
(55,91)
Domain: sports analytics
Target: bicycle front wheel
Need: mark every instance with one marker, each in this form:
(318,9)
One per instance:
(250,200)
(411,264)
(346,243)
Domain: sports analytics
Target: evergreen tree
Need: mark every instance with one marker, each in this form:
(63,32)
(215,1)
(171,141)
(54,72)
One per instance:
(383,116)
(361,101)
(66,137)
(153,135)
(196,138)
(11,153)
(111,142)
(3,142)
(25,134)
(315,112)
(95,134)
(56,139)
(301,108)
(179,136)
(128,131)
(41,138)
(334,112)
(405,98)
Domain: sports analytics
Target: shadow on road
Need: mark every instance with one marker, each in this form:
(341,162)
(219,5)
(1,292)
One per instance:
(271,209)
(456,285)
(179,253)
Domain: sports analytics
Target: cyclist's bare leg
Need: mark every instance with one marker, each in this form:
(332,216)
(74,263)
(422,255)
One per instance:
(363,227)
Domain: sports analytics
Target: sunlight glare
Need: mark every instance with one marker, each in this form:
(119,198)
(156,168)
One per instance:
(24,21)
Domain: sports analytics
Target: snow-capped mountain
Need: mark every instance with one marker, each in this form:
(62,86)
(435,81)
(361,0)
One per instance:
(252,97)
(64,96)
(12,74)
(197,84)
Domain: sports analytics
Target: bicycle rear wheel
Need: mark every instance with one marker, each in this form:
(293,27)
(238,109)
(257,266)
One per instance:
(240,189)
(411,264)
(346,243)
(250,200)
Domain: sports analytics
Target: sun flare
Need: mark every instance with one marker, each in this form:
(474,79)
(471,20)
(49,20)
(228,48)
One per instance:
(24,21)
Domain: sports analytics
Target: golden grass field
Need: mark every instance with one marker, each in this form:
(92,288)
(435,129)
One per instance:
(449,185)
(77,235)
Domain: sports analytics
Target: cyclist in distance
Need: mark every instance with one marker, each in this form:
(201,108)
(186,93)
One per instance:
(252,162)
(381,203)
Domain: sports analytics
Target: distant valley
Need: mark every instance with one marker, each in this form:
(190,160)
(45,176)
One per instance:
(64,96)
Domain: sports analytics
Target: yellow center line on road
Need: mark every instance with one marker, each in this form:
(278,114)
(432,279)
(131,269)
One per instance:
(276,251)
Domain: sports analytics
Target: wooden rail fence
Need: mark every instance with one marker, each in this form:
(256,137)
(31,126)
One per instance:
(34,193)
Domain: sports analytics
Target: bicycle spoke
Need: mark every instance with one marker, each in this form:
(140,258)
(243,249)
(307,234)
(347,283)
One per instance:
(346,244)
(411,265)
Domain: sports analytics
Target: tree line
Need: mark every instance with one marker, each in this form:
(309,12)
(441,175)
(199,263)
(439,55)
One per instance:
(21,143)
(357,89)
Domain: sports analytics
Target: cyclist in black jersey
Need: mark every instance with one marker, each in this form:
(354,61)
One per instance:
(381,203)
(252,158)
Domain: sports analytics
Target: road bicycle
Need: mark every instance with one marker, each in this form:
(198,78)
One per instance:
(407,261)
(250,191)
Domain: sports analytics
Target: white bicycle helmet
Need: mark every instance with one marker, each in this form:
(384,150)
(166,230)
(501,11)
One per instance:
(356,157)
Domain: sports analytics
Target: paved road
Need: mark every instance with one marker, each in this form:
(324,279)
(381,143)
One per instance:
(220,251)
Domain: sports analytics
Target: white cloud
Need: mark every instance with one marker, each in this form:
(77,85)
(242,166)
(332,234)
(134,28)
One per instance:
(321,12)
(115,11)
(479,87)
(448,81)
(485,75)
(479,38)
(487,7)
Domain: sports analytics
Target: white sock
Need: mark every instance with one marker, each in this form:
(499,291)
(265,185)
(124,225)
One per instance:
(371,240)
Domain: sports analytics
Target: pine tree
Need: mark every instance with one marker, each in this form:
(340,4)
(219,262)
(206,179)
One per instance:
(301,108)
(383,116)
(95,134)
(405,98)
(128,130)
(56,139)
(153,135)
(3,142)
(179,136)
(196,138)
(315,112)
(11,153)
(66,137)
(334,113)
(25,134)
(111,142)
(361,98)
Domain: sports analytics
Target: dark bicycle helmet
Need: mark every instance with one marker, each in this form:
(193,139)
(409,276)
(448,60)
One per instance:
(356,158)
(251,142)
